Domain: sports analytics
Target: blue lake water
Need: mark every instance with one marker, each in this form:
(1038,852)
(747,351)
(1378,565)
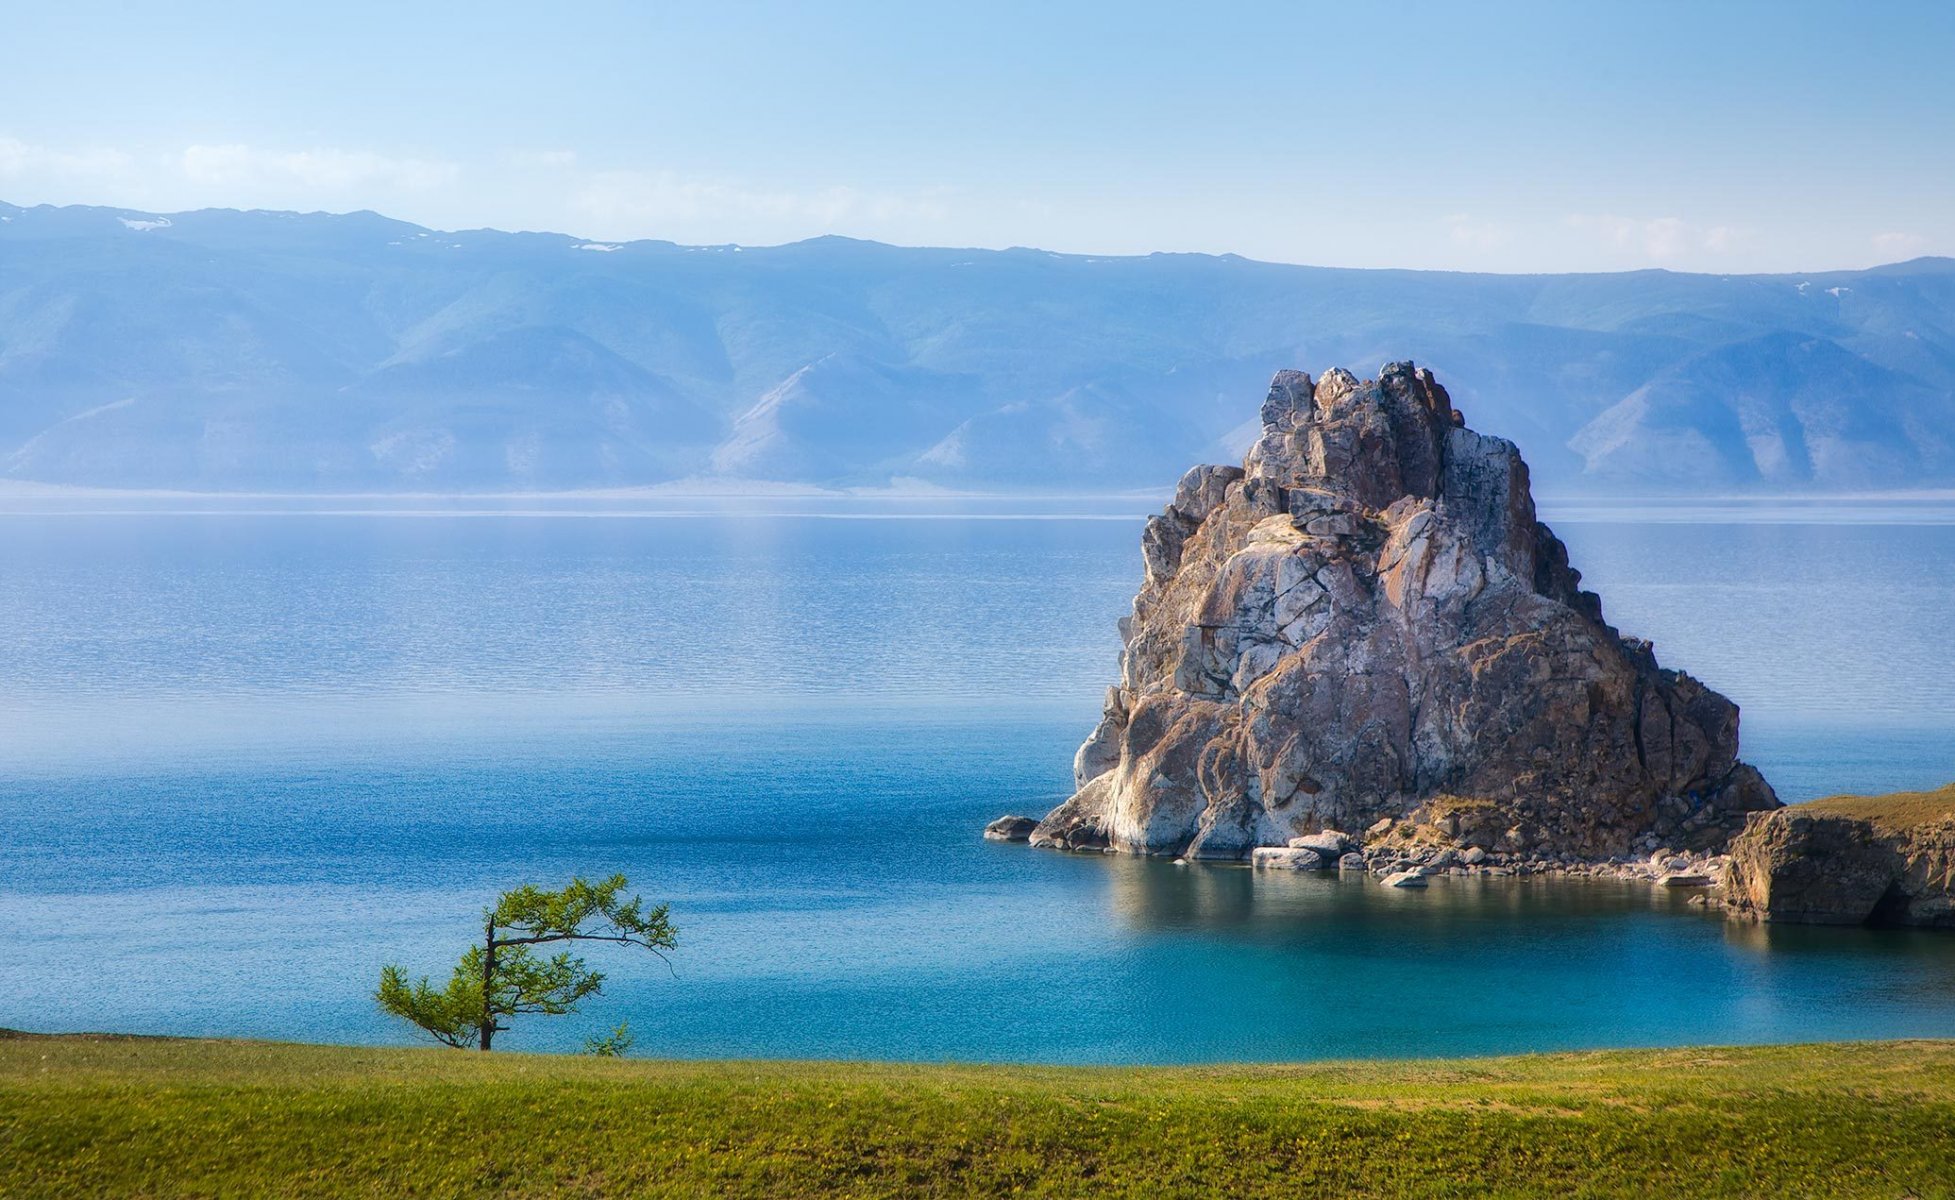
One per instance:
(246,758)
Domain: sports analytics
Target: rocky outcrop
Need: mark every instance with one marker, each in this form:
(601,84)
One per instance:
(1848,860)
(1364,627)
(1010,828)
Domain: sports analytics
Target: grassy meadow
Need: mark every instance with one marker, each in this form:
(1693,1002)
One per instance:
(152,1117)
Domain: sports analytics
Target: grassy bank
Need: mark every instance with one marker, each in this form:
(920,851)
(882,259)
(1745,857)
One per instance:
(1893,812)
(85,1116)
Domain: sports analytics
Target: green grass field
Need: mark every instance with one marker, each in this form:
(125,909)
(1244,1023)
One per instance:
(102,1116)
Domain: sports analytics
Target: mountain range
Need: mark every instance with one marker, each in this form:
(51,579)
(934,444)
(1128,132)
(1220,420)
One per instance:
(226,350)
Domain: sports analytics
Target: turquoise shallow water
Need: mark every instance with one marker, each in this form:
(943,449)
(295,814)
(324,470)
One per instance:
(244,760)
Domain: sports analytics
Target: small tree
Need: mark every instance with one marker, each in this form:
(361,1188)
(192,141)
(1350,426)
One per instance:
(505,977)
(615,1044)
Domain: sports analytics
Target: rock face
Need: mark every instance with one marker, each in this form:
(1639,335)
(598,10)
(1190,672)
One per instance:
(1288,859)
(1010,828)
(1848,860)
(1364,627)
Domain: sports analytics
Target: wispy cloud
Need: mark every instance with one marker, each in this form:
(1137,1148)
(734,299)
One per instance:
(1898,245)
(324,169)
(1662,239)
(1477,235)
(20,159)
(232,173)
(652,197)
(553,184)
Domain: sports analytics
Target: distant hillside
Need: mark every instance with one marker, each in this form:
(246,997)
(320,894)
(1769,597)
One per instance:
(260,350)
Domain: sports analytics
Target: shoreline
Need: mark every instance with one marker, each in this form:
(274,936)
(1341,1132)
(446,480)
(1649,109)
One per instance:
(11,1036)
(1401,857)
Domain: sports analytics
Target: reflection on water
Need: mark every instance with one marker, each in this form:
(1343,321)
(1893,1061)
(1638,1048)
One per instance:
(1319,909)
(267,754)
(1155,895)
(1474,964)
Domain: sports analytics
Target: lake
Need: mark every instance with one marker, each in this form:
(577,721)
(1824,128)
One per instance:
(248,755)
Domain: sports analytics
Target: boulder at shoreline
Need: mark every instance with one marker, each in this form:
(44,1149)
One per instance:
(1011,829)
(1848,860)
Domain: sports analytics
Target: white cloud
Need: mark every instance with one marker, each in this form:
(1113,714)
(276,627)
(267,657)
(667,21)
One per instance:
(640,198)
(1662,239)
(321,169)
(1477,235)
(1894,246)
(1723,239)
(547,188)
(20,159)
(228,175)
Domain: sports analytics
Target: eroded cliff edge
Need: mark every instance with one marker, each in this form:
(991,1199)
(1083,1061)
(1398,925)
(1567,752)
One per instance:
(1364,628)
(1848,860)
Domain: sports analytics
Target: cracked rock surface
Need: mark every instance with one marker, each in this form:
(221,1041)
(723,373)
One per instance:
(1365,626)
(1849,860)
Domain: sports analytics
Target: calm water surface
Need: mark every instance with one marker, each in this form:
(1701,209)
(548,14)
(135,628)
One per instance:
(246,759)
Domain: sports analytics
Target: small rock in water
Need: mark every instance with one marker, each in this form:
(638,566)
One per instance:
(1404,879)
(1351,862)
(1682,879)
(1474,856)
(1330,843)
(1010,829)
(1274,858)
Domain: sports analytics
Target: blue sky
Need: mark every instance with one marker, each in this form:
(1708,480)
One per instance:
(1708,136)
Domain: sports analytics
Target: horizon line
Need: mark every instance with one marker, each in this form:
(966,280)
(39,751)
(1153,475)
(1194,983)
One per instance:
(1222,256)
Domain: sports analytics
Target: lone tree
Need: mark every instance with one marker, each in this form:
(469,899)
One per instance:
(505,977)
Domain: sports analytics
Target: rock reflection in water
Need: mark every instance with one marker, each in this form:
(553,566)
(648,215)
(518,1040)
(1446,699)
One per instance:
(1155,895)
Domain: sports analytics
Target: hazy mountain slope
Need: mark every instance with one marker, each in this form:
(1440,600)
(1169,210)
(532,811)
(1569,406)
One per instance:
(225,349)
(1785,410)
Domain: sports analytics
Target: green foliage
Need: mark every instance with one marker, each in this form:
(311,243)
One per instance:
(585,911)
(505,977)
(613,1045)
(452,1016)
(167,1118)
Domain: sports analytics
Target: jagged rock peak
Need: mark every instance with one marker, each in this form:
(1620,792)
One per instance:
(1364,626)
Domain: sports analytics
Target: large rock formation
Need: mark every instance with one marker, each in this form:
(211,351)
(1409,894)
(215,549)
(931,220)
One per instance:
(1848,860)
(1365,624)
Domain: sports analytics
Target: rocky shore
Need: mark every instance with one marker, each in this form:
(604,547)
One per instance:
(1364,633)
(1391,856)
(1396,852)
(1848,860)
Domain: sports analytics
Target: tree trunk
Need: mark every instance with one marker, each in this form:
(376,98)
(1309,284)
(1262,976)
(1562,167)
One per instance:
(488,984)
